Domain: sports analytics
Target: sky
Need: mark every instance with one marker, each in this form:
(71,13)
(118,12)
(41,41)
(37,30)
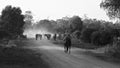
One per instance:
(56,9)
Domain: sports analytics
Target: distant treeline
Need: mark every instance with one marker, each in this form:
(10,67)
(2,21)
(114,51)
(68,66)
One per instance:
(98,32)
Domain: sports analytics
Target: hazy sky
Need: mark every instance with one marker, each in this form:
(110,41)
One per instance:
(55,9)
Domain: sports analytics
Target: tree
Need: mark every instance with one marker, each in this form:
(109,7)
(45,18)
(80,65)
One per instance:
(28,19)
(77,34)
(63,25)
(95,38)
(45,24)
(4,35)
(112,7)
(12,20)
(101,37)
(76,23)
(86,34)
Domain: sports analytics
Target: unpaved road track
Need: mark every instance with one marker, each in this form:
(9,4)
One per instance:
(55,56)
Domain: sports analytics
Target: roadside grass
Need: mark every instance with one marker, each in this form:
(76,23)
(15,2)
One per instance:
(104,57)
(18,57)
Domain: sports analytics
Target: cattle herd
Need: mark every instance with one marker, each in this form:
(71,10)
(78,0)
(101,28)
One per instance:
(49,36)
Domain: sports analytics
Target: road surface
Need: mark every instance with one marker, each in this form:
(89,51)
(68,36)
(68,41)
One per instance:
(55,56)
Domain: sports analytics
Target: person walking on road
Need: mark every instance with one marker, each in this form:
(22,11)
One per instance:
(67,44)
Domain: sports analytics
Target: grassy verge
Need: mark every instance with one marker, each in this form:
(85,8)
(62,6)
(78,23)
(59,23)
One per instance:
(19,57)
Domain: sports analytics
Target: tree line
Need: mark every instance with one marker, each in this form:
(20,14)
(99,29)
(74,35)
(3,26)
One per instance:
(98,32)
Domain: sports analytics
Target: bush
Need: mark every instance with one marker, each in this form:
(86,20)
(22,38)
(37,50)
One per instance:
(77,34)
(86,34)
(101,38)
(116,49)
(95,38)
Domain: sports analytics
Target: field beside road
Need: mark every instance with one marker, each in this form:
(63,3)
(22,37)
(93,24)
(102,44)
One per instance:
(19,57)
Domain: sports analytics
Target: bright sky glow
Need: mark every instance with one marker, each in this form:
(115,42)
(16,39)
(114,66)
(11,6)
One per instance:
(55,9)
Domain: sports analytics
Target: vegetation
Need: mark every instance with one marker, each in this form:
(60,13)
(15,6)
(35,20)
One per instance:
(93,31)
(112,7)
(12,21)
(28,18)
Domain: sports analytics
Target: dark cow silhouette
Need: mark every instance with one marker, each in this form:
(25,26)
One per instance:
(55,37)
(48,36)
(38,36)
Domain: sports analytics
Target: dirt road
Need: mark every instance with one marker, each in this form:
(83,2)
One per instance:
(55,56)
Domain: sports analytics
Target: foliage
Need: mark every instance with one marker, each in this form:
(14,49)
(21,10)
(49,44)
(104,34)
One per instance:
(86,34)
(28,20)
(48,25)
(77,34)
(76,23)
(63,25)
(112,7)
(4,35)
(95,38)
(101,38)
(12,20)
(93,23)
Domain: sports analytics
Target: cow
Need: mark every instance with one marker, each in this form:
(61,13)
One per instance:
(55,37)
(38,36)
(48,36)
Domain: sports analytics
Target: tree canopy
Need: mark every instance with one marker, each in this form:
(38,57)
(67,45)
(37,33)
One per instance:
(28,20)
(12,20)
(112,8)
(76,23)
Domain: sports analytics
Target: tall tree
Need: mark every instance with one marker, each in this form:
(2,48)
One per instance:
(63,25)
(76,23)
(13,20)
(112,8)
(28,19)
